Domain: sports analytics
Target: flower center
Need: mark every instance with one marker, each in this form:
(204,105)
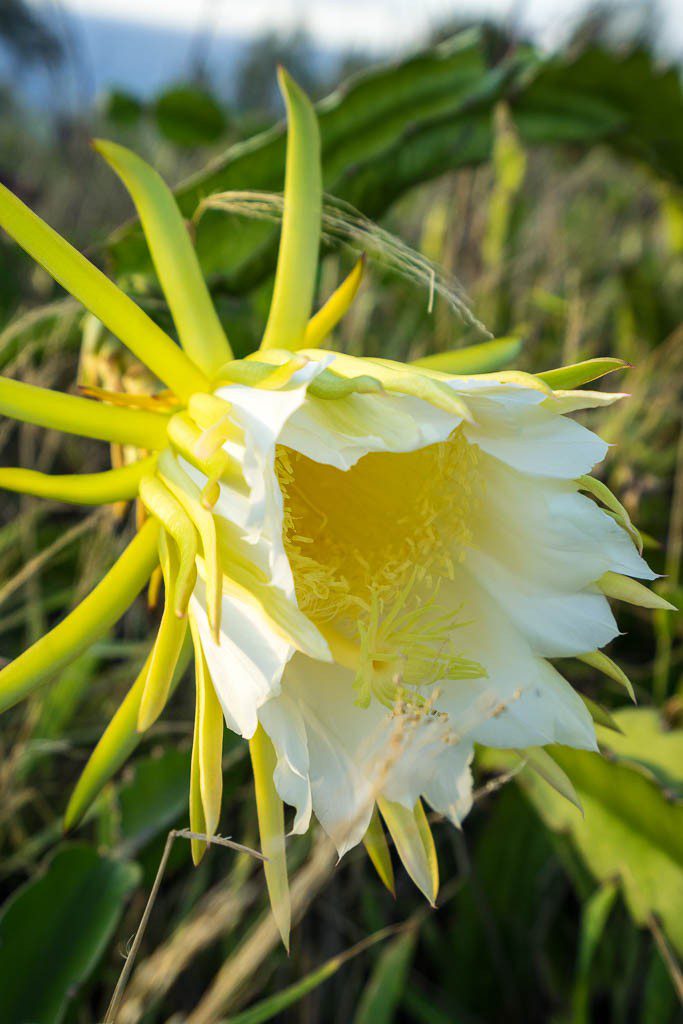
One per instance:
(362,534)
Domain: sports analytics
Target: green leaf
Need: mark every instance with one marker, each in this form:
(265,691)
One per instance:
(381,997)
(593,920)
(395,126)
(189,116)
(122,108)
(632,829)
(484,358)
(54,930)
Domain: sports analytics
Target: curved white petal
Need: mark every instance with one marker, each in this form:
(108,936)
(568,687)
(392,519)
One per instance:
(543,529)
(285,726)
(247,666)
(339,432)
(523,701)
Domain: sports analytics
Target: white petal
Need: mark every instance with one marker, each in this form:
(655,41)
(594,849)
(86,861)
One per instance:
(545,530)
(283,722)
(523,701)
(247,666)
(339,432)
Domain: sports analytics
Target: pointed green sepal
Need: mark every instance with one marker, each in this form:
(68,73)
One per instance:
(414,843)
(602,492)
(549,770)
(93,617)
(271,820)
(623,588)
(601,716)
(168,643)
(599,660)
(567,377)
(486,357)
(375,843)
(209,737)
(297,263)
(101,296)
(175,260)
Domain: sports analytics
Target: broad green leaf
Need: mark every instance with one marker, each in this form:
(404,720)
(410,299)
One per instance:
(189,116)
(175,260)
(646,740)
(297,262)
(632,830)
(381,997)
(395,126)
(89,621)
(152,797)
(54,929)
(483,358)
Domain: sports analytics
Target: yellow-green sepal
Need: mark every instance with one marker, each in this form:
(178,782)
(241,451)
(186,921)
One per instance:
(377,848)
(414,844)
(90,620)
(117,743)
(568,377)
(199,329)
(101,296)
(74,415)
(80,488)
(623,588)
(297,263)
(271,820)
(485,357)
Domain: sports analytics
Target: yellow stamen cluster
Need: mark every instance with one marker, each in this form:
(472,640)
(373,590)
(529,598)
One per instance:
(367,531)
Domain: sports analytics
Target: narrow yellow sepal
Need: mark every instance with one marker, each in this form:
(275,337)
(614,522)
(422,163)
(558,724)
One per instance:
(198,847)
(623,588)
(108,303)
(80,488)
(271,820)
(189,496)
(300,238)
(600,661)
(209,736)
(161,503)
(167,646)
(549,770)
(328,316)
(175,260)
(89,621)
(74,415)
(375,843)
(414,843)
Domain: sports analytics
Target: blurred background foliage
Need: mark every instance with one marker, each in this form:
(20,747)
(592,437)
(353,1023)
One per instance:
(551,186)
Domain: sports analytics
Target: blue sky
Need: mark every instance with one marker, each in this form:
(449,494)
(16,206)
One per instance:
(370,24)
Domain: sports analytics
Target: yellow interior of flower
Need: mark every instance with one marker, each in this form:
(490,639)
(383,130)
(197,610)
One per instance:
(367,531)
